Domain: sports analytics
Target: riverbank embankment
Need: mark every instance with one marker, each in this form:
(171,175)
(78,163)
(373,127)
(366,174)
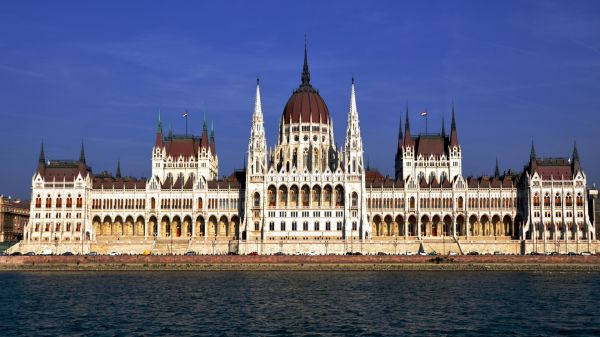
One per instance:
(299,263)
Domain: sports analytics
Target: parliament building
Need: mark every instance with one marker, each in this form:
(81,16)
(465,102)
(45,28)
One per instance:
(309,195)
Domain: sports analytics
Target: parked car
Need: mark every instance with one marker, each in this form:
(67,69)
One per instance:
(422,253)
(554,253)
(30,254)
(586,254)
(190,253)
(498,253)
(535,253)
(473,253)
(16,254)
(92,254)
(46,252)
(357,253)
(279,254)
(146,252)
(349,253)
(312,253)
(381,253)
(409,253)
(232,253)
(572,254)
(113,254)
(253,253)
(432,253)
(67,254)
(452,254)
(3,254)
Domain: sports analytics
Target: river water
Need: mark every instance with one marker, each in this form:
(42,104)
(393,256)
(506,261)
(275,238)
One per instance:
(299,303)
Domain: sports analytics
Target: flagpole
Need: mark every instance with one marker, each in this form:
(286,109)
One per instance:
(186,133)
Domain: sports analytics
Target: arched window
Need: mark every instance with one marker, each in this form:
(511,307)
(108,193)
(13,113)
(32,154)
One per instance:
(460,202)
(569,200)
(431,177)
(256,200)
(200,203)
(69,201)
(354,199)
(536,200)
(579,200)
(546,200)
(411,202)
(557,201)
(59,201)
(38,202)
(152,203)
(272,195)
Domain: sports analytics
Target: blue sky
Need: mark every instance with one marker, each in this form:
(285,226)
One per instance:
(100,71)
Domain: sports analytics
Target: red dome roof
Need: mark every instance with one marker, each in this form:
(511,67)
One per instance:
(305,103)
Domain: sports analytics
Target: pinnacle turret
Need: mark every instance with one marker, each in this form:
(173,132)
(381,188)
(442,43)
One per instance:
(118,174)
(42,158)
(82,154)
(305,72)
(453,132)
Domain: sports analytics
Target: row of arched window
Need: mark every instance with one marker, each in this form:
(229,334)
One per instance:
(58,201)
(118,203)
(305,197)
(557,200)
(484,202)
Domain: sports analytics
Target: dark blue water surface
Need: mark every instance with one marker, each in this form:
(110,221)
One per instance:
(299,303)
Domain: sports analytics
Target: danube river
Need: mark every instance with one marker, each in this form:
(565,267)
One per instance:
(299,303)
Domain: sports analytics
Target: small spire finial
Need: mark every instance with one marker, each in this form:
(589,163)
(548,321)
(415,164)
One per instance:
(532,155)
(118,174)
(42,158)
(305,71)
(82,154)
(497,170)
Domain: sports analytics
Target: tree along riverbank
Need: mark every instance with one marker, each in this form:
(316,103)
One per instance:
(308,263)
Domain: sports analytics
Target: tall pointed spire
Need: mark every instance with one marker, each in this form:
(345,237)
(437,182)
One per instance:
(398,161)
(204,140)
(82,154)
(257,102)
(159,127)
(453,132)
(159,138)
(408,141)
(212,139)
(42,158)
(575,162)
(118,174)
(305,71)
(353,147)
(532,156)
(497,170)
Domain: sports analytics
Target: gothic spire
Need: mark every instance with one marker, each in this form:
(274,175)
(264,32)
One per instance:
(212,139)
(118,174)
(576,162)
(408,141)
(82,154)
(305,71)
(204,143)
(532,156)
(497,170)
(354,147)
(159,138)
(42,158)
(453,132)
(159,127)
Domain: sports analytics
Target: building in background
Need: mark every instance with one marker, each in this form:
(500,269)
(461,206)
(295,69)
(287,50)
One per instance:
(594,208)
(14,215)
(307,195)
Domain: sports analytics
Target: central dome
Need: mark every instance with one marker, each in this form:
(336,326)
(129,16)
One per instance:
(305,104)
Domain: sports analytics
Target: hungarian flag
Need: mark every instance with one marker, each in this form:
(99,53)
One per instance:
(424,113)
